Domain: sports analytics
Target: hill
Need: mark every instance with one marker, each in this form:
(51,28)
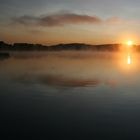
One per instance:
(60,47)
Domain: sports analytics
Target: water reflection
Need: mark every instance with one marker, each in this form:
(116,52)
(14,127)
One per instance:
(70,69)
(33,97)
(129,59)
(59,81)
(4,55)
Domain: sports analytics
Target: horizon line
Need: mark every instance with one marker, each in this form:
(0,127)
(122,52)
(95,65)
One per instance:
(61,43)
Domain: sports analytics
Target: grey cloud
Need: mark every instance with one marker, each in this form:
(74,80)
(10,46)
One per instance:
(59,19)
(62,19)
(25,20)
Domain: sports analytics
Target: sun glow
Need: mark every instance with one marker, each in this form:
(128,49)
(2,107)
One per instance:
(129,43)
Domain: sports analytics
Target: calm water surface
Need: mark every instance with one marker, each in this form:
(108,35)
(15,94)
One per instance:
(70,95)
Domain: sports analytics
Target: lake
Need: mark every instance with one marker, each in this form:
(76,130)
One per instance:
(70,95)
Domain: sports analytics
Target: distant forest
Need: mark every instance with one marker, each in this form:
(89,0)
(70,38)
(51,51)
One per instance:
(60,47)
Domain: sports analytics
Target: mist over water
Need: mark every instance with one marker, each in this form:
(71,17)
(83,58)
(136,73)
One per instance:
(70,95)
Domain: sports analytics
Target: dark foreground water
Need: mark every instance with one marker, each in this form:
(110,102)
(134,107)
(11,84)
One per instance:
(70,96)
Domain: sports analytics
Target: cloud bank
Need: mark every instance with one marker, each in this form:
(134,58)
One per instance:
(63,19)
(60,19)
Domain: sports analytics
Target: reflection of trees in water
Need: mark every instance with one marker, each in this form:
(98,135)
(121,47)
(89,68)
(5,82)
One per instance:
(4,56)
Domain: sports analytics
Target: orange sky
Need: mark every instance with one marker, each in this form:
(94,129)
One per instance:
(79,21)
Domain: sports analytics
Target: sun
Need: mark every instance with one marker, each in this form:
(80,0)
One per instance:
(129,43)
